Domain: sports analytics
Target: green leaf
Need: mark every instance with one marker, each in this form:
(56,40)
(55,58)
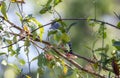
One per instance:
(4,62)
(13,52)
(56,2)
(57,36)
(48,2)
(104,35)
(103,49)
(2,53)
(27,42)
(35,58)
(1,28)
(15,38)
(101,31)
(9,41)
(18,51)
(118,54)
(20,17)
(103,54)
(42,61)
(116,44)
(3,9)
(10,48)
(100,49)
(22,62)
(45,9)
(34,35)
(65,38)
(52,32)
(118,25)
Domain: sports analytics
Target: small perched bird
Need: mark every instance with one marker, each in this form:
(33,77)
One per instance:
(69,53)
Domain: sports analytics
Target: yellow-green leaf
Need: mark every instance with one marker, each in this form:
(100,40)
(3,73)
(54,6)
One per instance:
(118,25)
(13,0)
(4,62)
(65,69)
(41,30)
(20,17)
(65,38)
(17,1)
(27,76)
(26,29)
(45,9)
(2,53)
(56,2)
(3,10)
(22,62)
(35,21)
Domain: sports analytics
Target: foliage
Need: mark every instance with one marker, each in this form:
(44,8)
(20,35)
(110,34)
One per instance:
(56,59)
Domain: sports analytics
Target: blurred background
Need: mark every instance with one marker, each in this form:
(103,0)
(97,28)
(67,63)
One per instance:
(82,35)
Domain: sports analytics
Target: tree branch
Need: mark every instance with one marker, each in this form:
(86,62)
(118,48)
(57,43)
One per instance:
(12,24)
(70,60)
(85,19)
(76,64)
(88,60)
(47,43)
(82,19)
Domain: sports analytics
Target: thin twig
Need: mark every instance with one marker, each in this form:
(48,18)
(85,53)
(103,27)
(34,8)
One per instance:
(82,19)
(88,60)
(95,8)
(29,63)
(116,15)
(37,49)
(12,24)
(37,45)
(19,9)
(85,19)
(8,6)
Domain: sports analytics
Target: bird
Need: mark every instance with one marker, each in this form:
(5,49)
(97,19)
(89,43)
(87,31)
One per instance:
(69,54)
